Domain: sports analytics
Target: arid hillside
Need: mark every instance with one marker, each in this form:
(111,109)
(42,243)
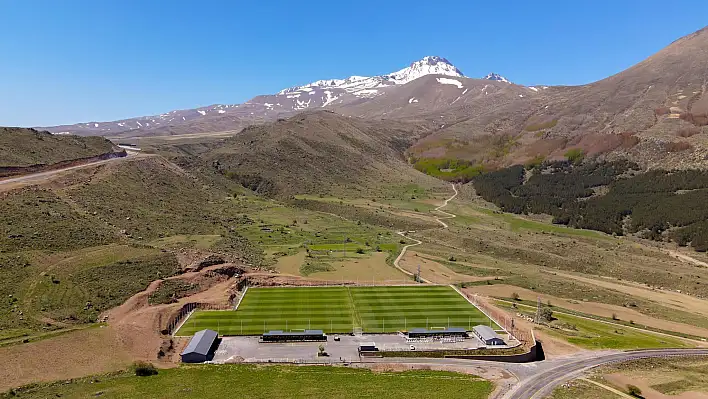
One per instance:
(27,147)
(654,113)
(320,153)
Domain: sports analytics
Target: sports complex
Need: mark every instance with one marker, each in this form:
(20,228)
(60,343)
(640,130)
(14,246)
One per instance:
(340,310)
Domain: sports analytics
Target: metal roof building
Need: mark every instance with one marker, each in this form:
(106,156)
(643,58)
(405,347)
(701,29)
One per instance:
(307,335)
(200,347)
(487,335)
(448,332)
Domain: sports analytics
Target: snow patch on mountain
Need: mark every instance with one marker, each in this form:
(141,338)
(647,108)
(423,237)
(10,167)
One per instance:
(447,81)
(329,98)
(367,93)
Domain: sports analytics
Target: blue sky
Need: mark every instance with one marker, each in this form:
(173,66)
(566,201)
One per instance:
(77,61)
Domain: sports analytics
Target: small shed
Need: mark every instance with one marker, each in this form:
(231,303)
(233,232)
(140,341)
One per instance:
(487,335)
(200,347)
(368,347)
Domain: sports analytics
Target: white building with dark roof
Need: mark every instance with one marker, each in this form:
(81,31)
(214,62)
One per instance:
(487,335)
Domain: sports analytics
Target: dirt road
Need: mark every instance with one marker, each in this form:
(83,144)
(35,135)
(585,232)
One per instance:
(438,219)
(38,178)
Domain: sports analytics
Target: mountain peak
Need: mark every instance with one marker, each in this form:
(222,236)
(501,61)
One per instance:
(429,65)
(432,60)
(496,77)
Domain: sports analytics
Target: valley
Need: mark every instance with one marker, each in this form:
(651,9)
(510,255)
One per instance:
(570,221)
(317,238)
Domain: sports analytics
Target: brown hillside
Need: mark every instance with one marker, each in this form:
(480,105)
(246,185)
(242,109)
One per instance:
(636,113)
(21,147)
(320,153)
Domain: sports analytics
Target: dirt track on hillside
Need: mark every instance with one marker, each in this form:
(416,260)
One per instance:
(593,308)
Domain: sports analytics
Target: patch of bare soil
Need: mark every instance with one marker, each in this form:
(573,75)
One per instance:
(665,297)
(620,380)
(138,324)
(502,378)
(277,280)
(71,355)
(594,308)
(370,268)
(132,333)
(434,272)
(686,258)
(291,264)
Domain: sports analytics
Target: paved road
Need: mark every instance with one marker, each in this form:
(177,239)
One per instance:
(542,384)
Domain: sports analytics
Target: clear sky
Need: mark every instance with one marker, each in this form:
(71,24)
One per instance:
(69,61)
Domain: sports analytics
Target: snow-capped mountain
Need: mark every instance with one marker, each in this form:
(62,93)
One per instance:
(430,65)
(330,93)
(496,77)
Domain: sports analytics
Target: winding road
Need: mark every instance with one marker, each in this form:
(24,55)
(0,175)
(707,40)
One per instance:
(418,242)
(537,380)
(542,384)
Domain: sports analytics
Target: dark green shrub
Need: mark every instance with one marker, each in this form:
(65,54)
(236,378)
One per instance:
(144,369)
(634,391)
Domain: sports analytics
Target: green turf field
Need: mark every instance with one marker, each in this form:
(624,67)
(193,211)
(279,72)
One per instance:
(340,310)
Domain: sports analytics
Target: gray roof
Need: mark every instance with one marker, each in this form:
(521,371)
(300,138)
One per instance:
(485,332)
(306,332)
(201,342)
(447,330)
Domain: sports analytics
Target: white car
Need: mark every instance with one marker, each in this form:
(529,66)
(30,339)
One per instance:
(336,338)
(412,347)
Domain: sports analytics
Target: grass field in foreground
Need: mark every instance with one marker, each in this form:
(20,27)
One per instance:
(271,382)
(339,310)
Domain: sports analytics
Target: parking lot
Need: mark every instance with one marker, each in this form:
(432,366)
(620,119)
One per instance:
(249,349)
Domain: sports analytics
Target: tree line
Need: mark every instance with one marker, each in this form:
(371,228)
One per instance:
(612,197)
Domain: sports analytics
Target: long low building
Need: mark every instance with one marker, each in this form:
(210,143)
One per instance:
(200,348)
(299,336)
(448,332)
(487,335)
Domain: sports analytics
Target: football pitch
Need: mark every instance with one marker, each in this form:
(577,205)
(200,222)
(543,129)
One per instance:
(340,310)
